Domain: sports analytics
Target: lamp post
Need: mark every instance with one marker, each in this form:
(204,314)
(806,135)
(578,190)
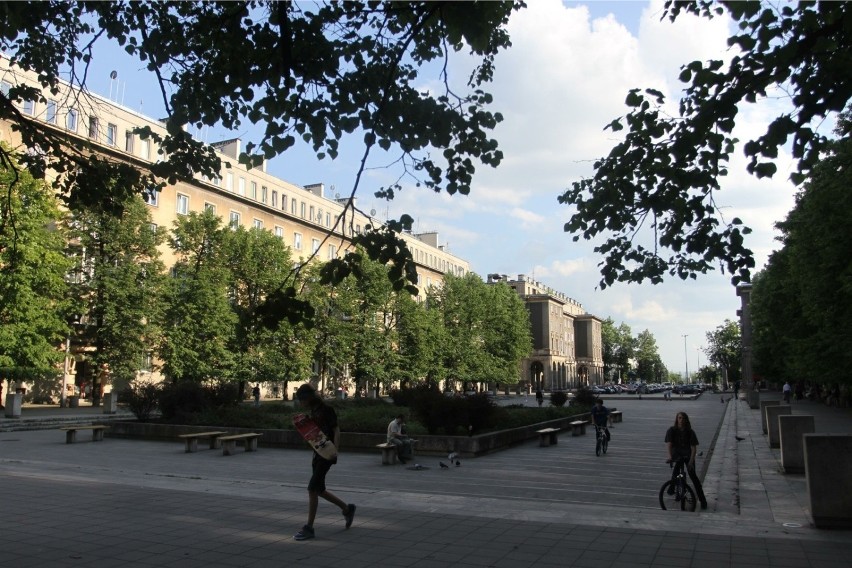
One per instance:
(686,360)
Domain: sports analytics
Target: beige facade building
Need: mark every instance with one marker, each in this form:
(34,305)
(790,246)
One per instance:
(306,218)
(567,346)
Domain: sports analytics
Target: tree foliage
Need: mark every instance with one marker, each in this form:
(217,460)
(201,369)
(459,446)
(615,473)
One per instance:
(316,72)
(802,301)
(724,349)
(618,347)
(665,174)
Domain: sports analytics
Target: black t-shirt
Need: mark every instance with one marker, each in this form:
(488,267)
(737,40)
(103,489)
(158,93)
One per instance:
(682,441)
(326,419)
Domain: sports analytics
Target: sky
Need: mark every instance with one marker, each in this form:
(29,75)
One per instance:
(564,78)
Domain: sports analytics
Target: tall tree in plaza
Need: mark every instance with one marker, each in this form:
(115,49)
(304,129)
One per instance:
(506,333)
(259,263)
(35,303)
(803,302)
(420,333)
(649,365)
(316,72)
(618,347)
(663,178)
(199,322)
(724,349)
(119,281)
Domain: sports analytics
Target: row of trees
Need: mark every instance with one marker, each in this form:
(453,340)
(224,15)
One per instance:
(802,300)
(207,319)
(627,356)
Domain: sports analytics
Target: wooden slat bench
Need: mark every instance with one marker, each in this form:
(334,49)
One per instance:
(229,443)
(578,427)
(547,437)
(97,432)
(192,440)
(615,416)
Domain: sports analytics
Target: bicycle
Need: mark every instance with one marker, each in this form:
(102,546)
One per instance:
(676,492)
(601,441)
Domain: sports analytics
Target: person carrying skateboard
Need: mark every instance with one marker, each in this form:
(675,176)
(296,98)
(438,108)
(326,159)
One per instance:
(326,419)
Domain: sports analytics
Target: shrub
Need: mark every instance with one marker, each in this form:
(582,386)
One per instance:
(584,397)
(141,399)
(558,398)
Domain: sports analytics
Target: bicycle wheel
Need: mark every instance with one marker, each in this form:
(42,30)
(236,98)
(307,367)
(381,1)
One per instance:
(604,444)
(681,498)
(598,446)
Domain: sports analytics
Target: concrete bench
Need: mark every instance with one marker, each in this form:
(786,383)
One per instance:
(192,440)
(615,416)
(229,443)
(547,437)
(71,432)
(389,452)
(578,427)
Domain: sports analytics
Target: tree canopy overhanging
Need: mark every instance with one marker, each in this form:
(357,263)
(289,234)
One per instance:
(315,71)
(665,173)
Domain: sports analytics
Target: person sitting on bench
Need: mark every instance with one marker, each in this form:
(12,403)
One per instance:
(397,437)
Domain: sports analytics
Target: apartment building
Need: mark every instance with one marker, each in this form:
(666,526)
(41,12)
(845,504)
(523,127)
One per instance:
(306,218)
(567,346)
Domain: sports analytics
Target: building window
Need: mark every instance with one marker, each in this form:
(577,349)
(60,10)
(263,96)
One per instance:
(111,133)
(128,141)
(28,108)
(5,87)
(311,216)
(151,196)
(274,198)
(297,241)
(315,244)
(304,209)
(93,127)
(332,252)
(328,219)
(217,181)
(293,206)
(147,362)
(182,204)
(209,207)
(50,114)
(263,191)
(241,186)
(283,202)
(145,148)
(229,181)
(279,232)
(253,190)
(258,224)
(234,220)
(153,227)
(71,120)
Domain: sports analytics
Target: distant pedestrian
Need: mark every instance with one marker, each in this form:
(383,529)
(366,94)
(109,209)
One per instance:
(255,392)
(787,390)
(326,419)
(539,397)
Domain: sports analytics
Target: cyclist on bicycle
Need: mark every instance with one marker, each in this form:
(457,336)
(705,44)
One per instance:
(682,443)
(600,417)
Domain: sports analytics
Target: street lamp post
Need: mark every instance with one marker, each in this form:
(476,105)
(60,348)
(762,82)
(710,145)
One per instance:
(685,359)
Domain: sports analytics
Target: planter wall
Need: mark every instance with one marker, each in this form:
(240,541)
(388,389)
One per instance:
(465,446)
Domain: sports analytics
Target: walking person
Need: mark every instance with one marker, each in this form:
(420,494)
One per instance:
(255,393)
(539,397)
(681,442)
(326,418)
(787,390)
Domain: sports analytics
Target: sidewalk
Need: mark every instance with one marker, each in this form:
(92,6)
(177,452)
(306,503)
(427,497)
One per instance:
(137,503)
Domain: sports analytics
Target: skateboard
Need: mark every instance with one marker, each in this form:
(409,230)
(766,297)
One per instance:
(310,431)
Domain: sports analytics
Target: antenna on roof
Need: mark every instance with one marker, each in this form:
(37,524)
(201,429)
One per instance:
(112,77)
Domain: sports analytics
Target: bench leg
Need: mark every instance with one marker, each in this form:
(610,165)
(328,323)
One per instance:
(389,456)
(215,443)
(553,441)
(98,435)
(191,445)
(70,436)
(229,447)
(543,440)
(251,445)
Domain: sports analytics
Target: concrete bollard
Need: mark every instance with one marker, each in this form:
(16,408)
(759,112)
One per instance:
(763,405)
(753,399)
(772,414)
(828,461)
(13,405)
(792,428)
(111,403)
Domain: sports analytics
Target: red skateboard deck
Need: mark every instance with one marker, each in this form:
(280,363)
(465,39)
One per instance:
(310,431)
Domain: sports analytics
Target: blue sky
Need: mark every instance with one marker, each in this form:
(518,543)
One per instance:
(565,77)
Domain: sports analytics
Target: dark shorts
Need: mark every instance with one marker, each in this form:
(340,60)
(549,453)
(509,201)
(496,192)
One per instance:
(320,468)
